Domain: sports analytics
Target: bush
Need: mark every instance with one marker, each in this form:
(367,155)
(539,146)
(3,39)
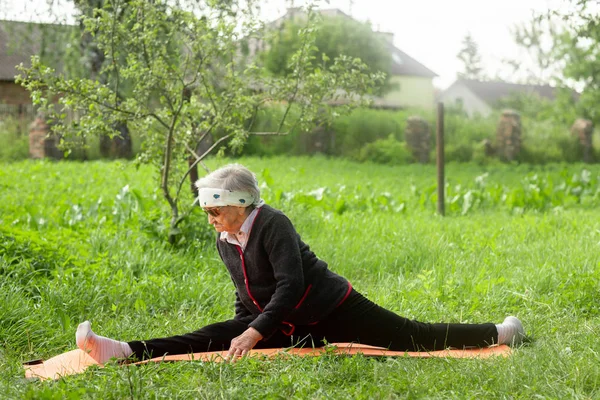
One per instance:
(386,151)
(365,133)
(547,142)
(462,152)
(571,149)
(365,126)
(536,154)
(14,145)
(459,129)
(481,154)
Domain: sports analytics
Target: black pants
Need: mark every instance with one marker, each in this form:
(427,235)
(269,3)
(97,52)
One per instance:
(357,320)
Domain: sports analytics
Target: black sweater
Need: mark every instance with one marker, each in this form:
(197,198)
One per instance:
(279,281)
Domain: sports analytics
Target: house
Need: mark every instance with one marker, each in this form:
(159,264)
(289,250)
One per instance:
(11,55)
(412,82)
(480,97)
(18,42)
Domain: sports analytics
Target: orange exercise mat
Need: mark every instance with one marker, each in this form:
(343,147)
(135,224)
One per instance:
(77,361)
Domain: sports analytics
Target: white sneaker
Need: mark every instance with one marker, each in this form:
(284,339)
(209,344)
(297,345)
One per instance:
(510,331)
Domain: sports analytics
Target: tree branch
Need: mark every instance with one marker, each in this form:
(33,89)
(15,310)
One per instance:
(167,164)
(268,133)
(112,53)
(200,158)
(299,75)
(196,156)
(67,90)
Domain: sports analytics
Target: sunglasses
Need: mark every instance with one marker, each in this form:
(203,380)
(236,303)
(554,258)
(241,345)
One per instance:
(212,211)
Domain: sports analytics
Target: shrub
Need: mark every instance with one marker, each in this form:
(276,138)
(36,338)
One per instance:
(571,149)
(461,152)
(386,151)
(365,126)
(546,142)
(459,129)
(365,133)
(481,153)
(536,154)
(14,145)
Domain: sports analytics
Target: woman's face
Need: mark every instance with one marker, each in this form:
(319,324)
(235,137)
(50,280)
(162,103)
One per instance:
(227,218)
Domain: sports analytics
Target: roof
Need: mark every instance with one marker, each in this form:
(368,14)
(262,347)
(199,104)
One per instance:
(21,40)
(402,63)
(492,91)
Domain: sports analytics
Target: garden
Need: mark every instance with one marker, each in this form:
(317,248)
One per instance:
(88,241)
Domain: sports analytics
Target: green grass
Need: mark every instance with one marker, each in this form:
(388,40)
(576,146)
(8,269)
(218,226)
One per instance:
(75,245)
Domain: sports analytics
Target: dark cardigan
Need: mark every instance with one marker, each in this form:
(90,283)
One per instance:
(279,281)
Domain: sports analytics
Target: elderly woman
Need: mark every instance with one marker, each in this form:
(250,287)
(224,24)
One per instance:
(285,295)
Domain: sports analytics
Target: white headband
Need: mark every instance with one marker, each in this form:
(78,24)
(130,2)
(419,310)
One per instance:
(210,197)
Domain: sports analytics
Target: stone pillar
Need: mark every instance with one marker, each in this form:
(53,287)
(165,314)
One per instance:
(41,143)
(583,129)
(418,138)
(508,135)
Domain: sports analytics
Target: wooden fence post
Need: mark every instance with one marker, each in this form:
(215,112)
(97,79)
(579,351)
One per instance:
(440,159)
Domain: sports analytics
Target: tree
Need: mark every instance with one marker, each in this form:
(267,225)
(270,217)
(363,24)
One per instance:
(93,59)
(187,79)
(578,48)
(563,49)
(537,62)
(336,35)
(471,59)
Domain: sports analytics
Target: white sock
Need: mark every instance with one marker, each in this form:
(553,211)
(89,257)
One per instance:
(100,348)
(510,331)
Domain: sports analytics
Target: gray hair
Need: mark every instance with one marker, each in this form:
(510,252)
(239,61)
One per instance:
(233,177)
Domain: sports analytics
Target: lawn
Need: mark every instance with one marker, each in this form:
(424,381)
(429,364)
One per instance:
(88,241)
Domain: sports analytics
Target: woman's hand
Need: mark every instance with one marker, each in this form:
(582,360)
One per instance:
(241,345)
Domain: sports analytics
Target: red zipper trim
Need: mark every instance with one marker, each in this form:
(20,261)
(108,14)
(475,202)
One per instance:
(339,304)
(239,249)
(346,296)
(303,297)
(292,326)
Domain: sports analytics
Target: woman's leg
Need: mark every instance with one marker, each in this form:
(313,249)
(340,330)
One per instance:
(212,337)
(360,320)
